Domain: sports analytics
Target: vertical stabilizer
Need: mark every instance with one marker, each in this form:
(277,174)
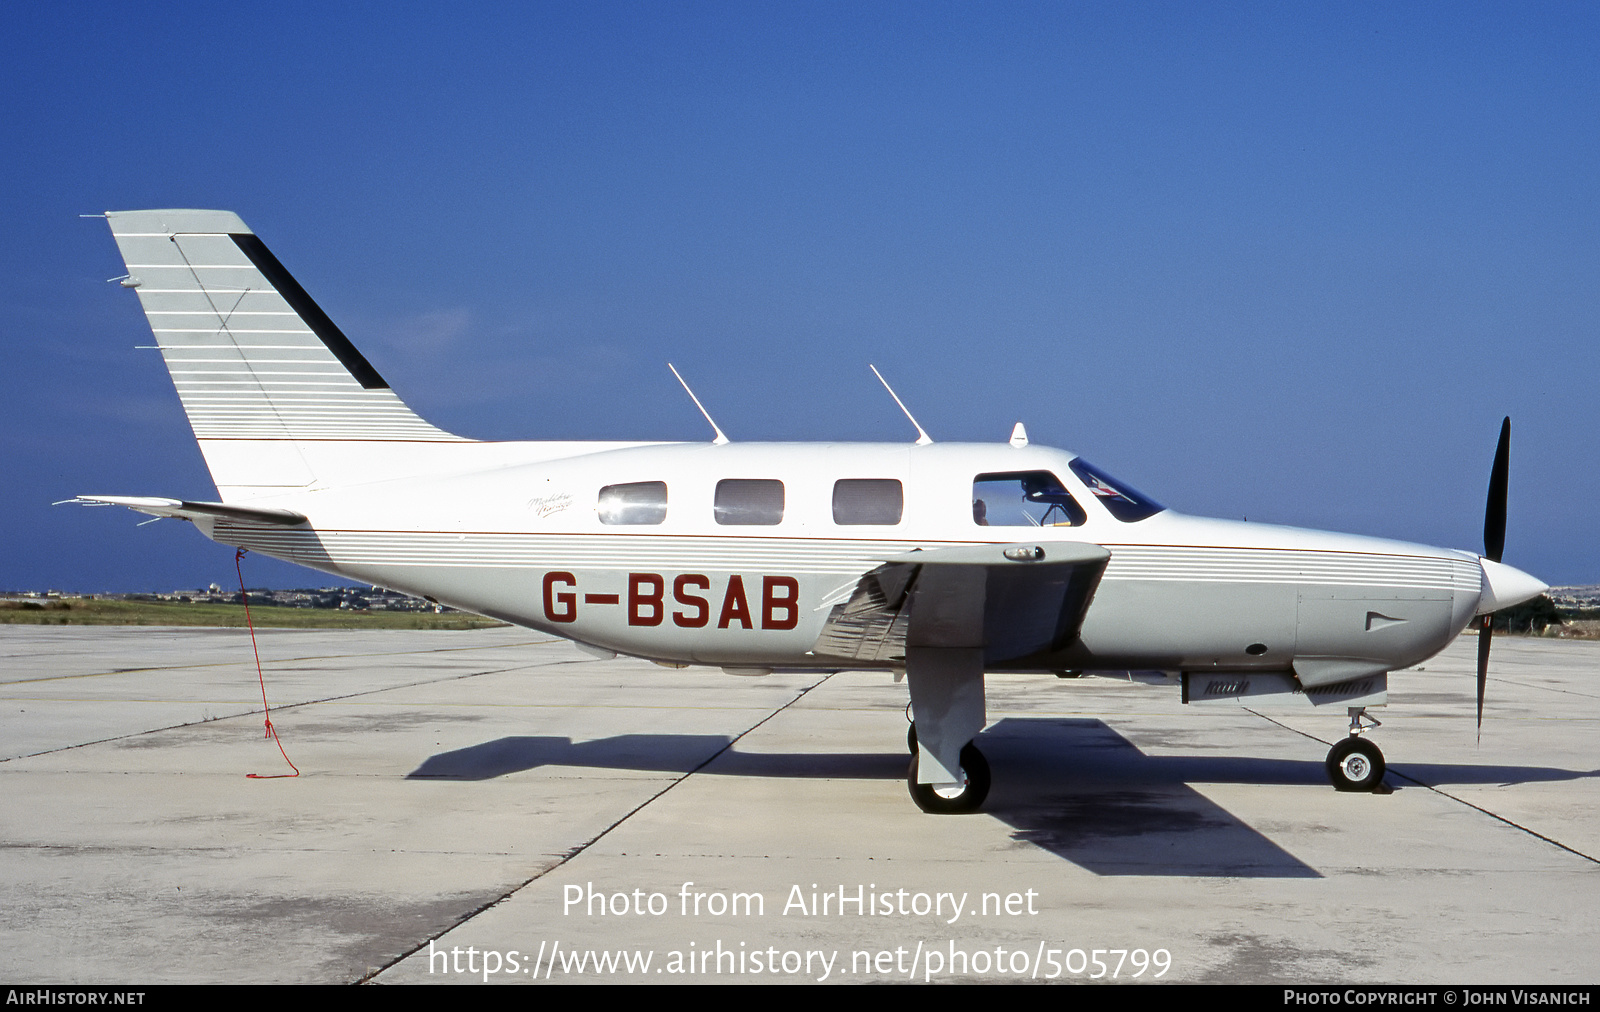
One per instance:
(259,367)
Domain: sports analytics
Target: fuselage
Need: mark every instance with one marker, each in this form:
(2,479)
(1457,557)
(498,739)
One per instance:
(739,555)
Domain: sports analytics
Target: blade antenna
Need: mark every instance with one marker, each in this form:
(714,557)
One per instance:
(720,438)
(923,439)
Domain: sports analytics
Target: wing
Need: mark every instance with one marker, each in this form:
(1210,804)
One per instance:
(1013,601)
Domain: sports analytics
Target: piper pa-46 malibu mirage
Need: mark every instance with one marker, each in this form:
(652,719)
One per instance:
(941,561)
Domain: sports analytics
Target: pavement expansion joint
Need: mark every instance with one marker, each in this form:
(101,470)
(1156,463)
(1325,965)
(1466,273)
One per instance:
(1446,794)
(584,846)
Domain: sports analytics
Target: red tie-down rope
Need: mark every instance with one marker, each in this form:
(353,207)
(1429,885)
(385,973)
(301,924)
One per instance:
(272,732)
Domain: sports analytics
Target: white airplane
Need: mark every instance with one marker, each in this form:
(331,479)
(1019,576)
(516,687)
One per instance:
(941,561)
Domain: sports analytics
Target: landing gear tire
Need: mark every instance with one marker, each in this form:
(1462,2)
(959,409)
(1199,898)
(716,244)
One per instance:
(911,739)
(1355,764)
(967,797)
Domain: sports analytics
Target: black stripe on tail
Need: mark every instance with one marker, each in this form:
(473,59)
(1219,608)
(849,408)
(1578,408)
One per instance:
(309,311)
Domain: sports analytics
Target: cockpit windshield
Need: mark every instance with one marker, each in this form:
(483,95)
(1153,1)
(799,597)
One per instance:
(1023,499)
(1122,500)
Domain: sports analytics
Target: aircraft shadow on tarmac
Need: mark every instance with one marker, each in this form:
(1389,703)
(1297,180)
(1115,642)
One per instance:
(1087,795)
(1074,787)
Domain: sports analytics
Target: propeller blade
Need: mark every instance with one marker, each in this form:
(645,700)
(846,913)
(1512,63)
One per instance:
(1494,545)
(1494,514)
(1485,635)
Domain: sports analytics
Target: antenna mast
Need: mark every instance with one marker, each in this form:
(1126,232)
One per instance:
(720,438)
(923,439)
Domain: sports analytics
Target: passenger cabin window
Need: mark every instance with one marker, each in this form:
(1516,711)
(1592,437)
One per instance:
(634,504)
(867,501)
(1023,499)
(1124,502)
(749,502)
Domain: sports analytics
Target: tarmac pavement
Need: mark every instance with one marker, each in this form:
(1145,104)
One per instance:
(496,800)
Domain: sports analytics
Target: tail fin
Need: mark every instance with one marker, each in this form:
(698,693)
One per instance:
(259,367)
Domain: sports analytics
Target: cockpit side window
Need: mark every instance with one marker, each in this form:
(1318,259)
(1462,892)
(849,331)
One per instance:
(756,502)
(1122,500)
(1023,499)
(858,501)
(634,504)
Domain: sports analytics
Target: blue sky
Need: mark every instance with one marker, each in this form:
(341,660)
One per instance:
(1285,261)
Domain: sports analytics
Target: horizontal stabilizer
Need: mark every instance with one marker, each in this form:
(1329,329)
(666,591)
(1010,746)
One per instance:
(182,509)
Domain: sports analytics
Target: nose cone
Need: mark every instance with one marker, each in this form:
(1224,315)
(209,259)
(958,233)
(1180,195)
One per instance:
(1504,586)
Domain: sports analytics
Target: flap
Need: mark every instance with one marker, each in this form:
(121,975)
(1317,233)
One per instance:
(1012,601)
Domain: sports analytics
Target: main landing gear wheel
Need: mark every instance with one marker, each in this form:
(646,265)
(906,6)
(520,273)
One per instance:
(952,800)
(1355,764)
(911,739)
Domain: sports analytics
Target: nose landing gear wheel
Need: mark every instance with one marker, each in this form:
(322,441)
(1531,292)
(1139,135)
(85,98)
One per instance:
(1355,764)
(953,800)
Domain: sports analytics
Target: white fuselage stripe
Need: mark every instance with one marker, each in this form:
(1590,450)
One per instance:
(637,552)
